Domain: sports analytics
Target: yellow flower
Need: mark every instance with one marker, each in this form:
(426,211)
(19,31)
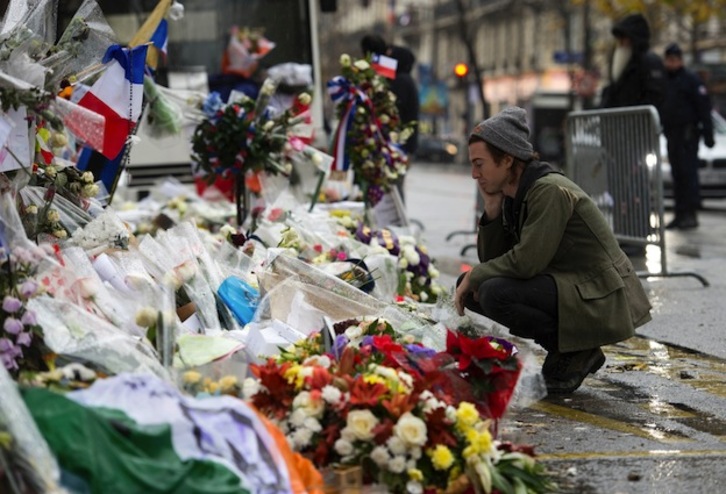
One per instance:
(374,379)
(191,377)
(212,388)
(295,376)
(415,474)
(466,415)
(228,382)
(470,451)
(441,457)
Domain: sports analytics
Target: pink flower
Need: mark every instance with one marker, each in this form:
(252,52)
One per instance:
(11,304)
(12,325)
(275,214)
(297,143)
(341,256)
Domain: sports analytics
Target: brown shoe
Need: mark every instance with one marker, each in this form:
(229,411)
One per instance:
(568,370)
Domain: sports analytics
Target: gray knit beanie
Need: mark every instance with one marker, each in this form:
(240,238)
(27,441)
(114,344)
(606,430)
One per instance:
(507,130)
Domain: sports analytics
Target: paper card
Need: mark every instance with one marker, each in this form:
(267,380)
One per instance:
(287,332)
(390,210)
(6,127)
(18,142)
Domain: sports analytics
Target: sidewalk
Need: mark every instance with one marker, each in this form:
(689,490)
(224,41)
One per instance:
(653,419)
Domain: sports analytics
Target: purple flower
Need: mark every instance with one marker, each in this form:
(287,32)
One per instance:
(8,362)
(5,345)
(421,351)
(28,318)
(24,338)
(367,341)
(12,325)
(11,304)
(28,288)
(340,343)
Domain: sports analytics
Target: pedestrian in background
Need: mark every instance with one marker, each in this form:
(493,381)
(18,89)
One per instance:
(686,117)
(550,266)
(636,77)
(407,101)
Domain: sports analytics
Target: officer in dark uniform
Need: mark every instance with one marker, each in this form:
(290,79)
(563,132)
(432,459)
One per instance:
(686,117)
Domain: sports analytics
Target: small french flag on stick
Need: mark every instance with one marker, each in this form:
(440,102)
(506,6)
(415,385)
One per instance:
(160,38)
(385,66)
(117,95)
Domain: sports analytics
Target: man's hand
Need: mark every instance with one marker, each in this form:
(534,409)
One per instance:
(461,291)
(492,203)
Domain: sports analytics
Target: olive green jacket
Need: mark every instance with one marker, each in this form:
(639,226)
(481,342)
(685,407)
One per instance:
(562,233)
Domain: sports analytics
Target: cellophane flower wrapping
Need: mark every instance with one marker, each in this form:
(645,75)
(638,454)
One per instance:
(75,333)
(81,45)
(30,455)
(54,217)
(77,282)
(179,268)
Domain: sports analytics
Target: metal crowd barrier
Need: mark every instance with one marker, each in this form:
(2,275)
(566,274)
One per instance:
(614,155)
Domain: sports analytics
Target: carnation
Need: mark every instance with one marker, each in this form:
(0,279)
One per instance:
(380,456)
(397,464)
(301,438)
(250,387)
(343,447)
(331,394)
(396,445)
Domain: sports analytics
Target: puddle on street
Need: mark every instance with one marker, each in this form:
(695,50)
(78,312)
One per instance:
(701,372)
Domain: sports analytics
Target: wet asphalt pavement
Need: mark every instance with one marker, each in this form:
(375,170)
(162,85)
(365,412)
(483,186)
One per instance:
(653,419)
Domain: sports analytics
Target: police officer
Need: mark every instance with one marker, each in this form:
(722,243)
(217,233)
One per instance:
(686,117)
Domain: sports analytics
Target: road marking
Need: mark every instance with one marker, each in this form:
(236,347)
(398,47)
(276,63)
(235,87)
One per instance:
(606,423)
(630,454)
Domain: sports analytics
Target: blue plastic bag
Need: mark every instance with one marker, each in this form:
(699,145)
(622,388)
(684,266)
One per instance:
(240,297)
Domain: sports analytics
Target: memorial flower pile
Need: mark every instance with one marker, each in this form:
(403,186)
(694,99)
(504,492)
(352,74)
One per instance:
(384,402)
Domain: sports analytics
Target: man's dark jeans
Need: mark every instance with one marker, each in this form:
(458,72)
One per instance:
(527,307)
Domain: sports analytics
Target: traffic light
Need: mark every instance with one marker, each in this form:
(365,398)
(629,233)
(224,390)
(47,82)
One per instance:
(461,70)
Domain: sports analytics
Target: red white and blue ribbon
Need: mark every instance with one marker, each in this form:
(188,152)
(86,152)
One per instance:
(342,92)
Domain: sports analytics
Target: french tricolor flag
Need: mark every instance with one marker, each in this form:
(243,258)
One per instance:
(160,38)
(385,66)
(117,95)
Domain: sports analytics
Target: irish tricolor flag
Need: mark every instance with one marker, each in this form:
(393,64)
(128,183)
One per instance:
(117,95)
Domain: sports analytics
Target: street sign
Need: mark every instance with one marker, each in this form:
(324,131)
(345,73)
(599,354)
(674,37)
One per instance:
(567,57)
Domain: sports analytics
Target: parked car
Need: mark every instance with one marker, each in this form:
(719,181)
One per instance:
(436,149)
(712,163)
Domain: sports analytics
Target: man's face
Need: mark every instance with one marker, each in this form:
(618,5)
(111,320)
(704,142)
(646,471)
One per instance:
(490,175)
(673,63)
